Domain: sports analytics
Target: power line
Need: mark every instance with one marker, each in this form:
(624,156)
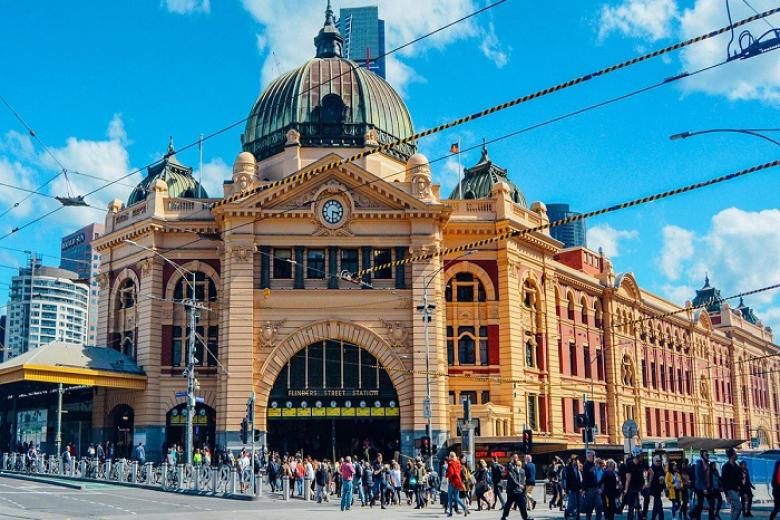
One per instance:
(491,110)
(515,133)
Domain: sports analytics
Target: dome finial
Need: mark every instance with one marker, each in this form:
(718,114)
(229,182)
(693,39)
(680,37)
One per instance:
(484,157)
(171,149)
(329,39)
(706,280)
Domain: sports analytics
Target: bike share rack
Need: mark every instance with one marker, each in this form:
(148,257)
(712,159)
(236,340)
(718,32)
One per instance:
(223,481)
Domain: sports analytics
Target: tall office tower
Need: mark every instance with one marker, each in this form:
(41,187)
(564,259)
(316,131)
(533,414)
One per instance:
(364,37)
(77,255)
(571,234)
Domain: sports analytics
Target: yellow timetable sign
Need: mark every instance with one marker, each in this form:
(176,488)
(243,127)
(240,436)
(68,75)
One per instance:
(378,412)
(304,412)
(347,412)
(289,412)
(274,412)
(333,412)
(318,412)
(392,412)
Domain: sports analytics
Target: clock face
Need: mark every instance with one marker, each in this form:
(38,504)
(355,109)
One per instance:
(332,212)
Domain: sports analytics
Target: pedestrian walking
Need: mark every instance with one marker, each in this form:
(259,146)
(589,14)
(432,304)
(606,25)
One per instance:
(591,493)
(702,483)
(611,489)
(515,488)
(139,454)
(685,490)
(634,484)
(746,491)
(731,481)
(455,485)
(775,491)
(657,485)
(482,486)
(347,471)
(716,493)
(418,483)
(496,475)
(572,482)
(530,480)
(674,484)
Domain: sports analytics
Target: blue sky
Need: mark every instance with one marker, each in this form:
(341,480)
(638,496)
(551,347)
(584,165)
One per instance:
(105,83)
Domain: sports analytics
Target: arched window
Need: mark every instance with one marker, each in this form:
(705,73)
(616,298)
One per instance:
(584,311)
(597,313)
(126,295)
(122,335)
(557,302)
(472,345)
(465,287)
(570,306)
(530,352)
(533,324)
(207,328)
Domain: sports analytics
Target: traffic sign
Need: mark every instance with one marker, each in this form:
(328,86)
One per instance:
(427,412)
(630,428)
(200,400)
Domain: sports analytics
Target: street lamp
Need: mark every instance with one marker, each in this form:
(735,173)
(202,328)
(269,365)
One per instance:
(426,309)
(190,370)
(756,132)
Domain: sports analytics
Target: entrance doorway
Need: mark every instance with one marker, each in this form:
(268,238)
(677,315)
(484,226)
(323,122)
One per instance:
(203,426)
(333,399)
(122,422)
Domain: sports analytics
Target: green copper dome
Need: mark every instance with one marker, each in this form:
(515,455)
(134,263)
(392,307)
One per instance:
(331,102)
(181,183)
(478,181)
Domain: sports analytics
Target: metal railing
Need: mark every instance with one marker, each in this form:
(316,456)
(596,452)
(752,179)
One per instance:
(225,480)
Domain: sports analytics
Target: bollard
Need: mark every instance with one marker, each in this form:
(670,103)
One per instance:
(306,489)
(214,477)
(134,473)
(285,488)
(149,474)
(259,484)
(180,476)
(39,463)
(82,468)
(61,466)
(233,478)
(5,461)
(107,474)
(197,477)
(120,470)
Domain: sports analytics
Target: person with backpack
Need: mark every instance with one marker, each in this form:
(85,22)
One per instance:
(482,477)
(702,483)
(417,482)
(496,475)
(321,482)
(657,479)
(746,491)
(731,481)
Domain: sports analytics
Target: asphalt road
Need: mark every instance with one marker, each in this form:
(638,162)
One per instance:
(23,500)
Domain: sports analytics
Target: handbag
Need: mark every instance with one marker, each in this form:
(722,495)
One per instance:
(412,481)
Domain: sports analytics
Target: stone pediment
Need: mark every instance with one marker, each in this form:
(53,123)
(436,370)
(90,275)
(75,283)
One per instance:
(365,192)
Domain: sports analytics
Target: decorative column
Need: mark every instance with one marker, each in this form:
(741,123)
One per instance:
(235,333)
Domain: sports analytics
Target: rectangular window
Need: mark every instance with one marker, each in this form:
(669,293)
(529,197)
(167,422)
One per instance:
(483,346)
(586,359)
(381,257)
(315,263)
(212,354)
(599,366)
(663,377)
(603,418)
(649,421)
(176,346)
(349,260)
(282,263)
(653,379)
(467,354)
(471,395)
(532,414)
(575,409)
(451,397)
(679,380)
(450,347)
(573,358)
(485,396)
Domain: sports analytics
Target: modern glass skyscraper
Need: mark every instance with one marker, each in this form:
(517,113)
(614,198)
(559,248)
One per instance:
(77,255)
(571,234)
(364,37)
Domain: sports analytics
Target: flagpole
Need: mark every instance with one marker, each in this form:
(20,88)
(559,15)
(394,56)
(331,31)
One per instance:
(460,174)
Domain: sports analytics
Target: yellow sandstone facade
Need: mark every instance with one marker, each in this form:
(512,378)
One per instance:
(523,328)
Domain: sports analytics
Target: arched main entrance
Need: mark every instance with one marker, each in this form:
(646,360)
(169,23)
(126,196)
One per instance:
(122,422)
(332,399)
(203,426)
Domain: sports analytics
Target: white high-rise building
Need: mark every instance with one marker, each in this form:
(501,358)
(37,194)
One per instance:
(45,304)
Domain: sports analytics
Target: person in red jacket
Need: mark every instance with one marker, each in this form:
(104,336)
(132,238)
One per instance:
(455,485)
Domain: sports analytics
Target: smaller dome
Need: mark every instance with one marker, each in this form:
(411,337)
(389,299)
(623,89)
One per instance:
(478,182)
(245,158)
(417,159)
(181,183)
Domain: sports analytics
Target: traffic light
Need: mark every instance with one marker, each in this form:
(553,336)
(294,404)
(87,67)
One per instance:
(580,420)
(587,435)
(425,446)
(244,431)
(528,441)
(590,414)
(257,435)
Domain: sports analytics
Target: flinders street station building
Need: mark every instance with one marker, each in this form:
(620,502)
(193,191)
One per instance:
(523,328)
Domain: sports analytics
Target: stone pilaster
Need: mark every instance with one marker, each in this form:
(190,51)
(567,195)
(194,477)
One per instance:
(235,335)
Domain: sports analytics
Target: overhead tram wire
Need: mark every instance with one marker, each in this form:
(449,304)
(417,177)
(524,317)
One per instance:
(496,108)
(575,218)
(515,133)
(34,135)
(462,120)
(305,91)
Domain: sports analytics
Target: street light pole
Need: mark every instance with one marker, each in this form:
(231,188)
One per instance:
(426,309)
(192,307)
(755,132)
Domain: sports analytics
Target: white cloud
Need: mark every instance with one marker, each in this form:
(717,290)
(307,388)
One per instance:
(187,6)
(215,172)
(492,48)
(609,239)
(757,78)
(289,28)
(648,19)
(739,252)
(677,248)
(16,174)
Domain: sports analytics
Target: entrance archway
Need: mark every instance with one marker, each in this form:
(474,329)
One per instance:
(204,426)
(333,399)
(122,419)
